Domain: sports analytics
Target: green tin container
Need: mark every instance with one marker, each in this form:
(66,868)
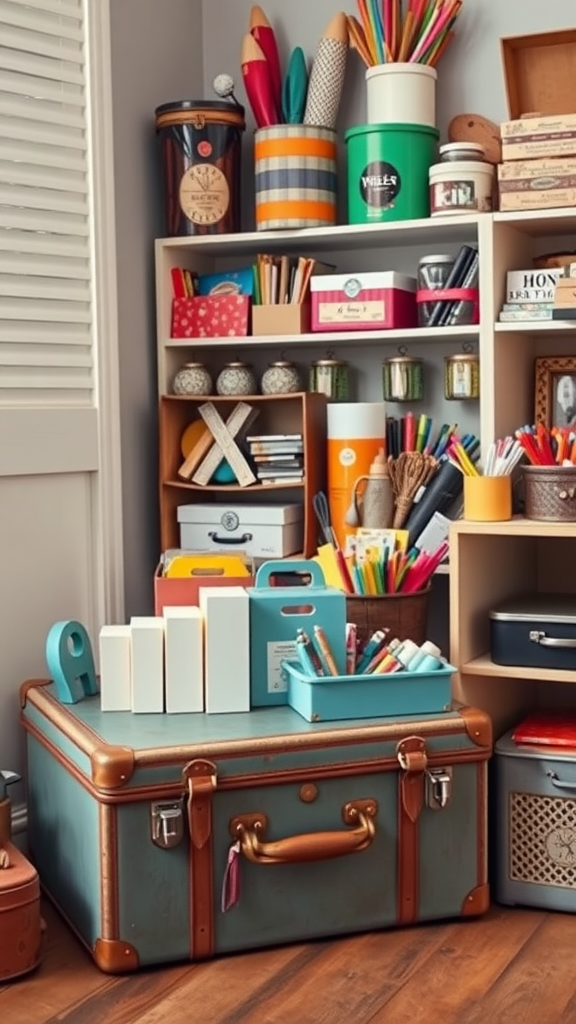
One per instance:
(388,171)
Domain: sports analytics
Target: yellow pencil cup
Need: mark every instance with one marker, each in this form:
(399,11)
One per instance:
(487,499)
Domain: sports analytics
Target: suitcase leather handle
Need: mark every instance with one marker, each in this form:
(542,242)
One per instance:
(308,846)
(537,637)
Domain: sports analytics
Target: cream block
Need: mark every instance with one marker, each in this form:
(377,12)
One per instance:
(184,660)
(147,664)
(226,648)
(115,644)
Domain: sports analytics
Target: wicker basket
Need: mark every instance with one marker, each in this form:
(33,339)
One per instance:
(405,615)
(550,493)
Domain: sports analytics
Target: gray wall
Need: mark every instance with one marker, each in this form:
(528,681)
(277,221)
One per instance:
(156,57)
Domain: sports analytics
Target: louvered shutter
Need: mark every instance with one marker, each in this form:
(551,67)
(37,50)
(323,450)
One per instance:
(46,322)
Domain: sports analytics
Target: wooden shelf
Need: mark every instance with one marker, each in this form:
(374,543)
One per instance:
(518,526)
(540,223)
(484,666)
(534,326)
(232,488)
(345,237)
(413,335)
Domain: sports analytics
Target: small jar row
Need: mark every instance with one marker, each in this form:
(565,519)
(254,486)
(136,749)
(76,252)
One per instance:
(327,376)
(402,379)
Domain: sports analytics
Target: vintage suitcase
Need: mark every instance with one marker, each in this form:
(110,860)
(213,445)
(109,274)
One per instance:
(535,821)
(21,927)
(535,631)
(163,838)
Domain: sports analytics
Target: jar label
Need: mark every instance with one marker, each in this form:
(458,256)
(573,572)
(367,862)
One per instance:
(456,194)
(380,183)
(371,312)
(204,194)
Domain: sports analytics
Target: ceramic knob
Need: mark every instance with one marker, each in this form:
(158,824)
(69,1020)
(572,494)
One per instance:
(236,379)
(281,378)
(192,379)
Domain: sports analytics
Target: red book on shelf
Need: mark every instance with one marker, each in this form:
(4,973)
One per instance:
(547,729)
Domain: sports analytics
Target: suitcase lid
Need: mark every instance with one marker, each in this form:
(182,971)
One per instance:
(238,517)
(118,749)
(558,608)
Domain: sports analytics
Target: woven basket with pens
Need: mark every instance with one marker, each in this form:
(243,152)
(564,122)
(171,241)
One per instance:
(405,615)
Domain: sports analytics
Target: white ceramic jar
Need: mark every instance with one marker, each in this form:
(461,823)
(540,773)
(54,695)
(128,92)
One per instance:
(236,379)
(192,379)
(281,378)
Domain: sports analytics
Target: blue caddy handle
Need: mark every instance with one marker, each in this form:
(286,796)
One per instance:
(71,662)
(301,566)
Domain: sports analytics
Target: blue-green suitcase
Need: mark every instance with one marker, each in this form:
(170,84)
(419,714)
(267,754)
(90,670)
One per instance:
(162,838)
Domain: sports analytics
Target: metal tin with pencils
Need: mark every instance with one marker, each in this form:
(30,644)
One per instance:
(462,377)
(403,379)
(296,177)
(550,493)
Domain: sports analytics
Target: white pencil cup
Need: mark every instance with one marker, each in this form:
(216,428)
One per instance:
(402,93)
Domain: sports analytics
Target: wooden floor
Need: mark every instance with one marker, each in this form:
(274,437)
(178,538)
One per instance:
(510,967)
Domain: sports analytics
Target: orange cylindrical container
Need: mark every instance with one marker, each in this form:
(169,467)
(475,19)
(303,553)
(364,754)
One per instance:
(356,432)
(487,499)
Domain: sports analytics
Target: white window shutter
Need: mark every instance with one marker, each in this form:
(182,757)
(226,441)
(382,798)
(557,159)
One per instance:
(46,301)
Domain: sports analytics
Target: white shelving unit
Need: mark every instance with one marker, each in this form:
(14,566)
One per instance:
(507,350)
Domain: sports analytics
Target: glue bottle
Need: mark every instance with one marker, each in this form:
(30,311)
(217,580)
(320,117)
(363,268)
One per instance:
(428,658)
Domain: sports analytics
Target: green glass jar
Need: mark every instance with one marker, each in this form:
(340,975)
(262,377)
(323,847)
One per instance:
(331,377)
(403,379)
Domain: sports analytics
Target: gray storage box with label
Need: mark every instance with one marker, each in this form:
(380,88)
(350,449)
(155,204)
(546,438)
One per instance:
(261,531)
(535,825)
(535,631)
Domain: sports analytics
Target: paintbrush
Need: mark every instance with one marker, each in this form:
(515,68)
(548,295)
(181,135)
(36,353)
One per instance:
(263,33)
(327,75)
(257,83)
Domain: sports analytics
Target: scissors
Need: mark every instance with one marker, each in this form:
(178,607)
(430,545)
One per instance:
(320,505)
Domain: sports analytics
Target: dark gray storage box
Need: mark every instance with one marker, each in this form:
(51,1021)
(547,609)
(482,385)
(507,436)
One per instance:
(534,831)
(535,631)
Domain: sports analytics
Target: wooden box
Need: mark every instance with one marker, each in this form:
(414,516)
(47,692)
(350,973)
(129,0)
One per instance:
(539,72)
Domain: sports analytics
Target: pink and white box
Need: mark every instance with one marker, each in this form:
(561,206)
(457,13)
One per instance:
(377,300)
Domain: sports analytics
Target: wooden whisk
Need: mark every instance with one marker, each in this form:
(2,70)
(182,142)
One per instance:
(408,473)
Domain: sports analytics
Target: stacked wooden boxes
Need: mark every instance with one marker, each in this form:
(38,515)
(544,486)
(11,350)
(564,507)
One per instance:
(538,171)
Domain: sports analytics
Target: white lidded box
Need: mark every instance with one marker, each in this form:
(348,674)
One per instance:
(261,531)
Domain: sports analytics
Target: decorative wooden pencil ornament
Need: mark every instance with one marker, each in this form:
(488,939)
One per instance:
(263,33)
(258,85)
(327,75)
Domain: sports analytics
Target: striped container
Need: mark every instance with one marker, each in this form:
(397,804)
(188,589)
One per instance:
(296,176)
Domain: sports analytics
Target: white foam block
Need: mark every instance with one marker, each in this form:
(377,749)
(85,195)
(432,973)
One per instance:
(115,668)
(183,660)
(147,664)
(226,649)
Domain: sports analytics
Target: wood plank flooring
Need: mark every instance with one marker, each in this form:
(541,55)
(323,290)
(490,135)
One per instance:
(513,966)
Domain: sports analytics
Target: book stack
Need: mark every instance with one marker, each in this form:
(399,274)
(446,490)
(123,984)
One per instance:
(277,458)
(530,295)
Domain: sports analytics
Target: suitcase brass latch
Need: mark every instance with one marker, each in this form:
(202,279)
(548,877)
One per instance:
(438,788)
(167,824)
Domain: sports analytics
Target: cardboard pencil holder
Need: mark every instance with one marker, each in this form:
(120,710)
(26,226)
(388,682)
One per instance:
(487,499)
(281,318)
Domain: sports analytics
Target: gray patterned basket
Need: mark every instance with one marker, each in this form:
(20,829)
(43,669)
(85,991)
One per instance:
(550,493)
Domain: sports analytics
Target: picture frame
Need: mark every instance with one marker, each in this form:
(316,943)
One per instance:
(555,391)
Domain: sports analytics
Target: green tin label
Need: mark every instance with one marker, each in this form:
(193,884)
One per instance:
(380,183)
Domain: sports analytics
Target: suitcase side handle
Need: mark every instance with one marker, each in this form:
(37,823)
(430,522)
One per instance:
(249,830)
(538,637)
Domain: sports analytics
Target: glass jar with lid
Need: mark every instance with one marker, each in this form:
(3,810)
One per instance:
(462,377)
(433,275)
(452,151)
(331,377)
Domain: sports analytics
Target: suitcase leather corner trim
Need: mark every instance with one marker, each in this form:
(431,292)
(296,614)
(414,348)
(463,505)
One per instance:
(144,863)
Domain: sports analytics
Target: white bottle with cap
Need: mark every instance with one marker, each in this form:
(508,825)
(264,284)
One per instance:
(406,652)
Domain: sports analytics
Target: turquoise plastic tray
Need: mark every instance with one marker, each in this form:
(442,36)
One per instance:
(332,698)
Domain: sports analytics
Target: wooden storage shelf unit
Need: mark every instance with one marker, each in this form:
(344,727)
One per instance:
(490,562)
(301,413)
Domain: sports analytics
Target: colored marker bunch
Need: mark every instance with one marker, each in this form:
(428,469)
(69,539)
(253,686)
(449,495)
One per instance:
(543,447)
(417,32)
(398,572)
